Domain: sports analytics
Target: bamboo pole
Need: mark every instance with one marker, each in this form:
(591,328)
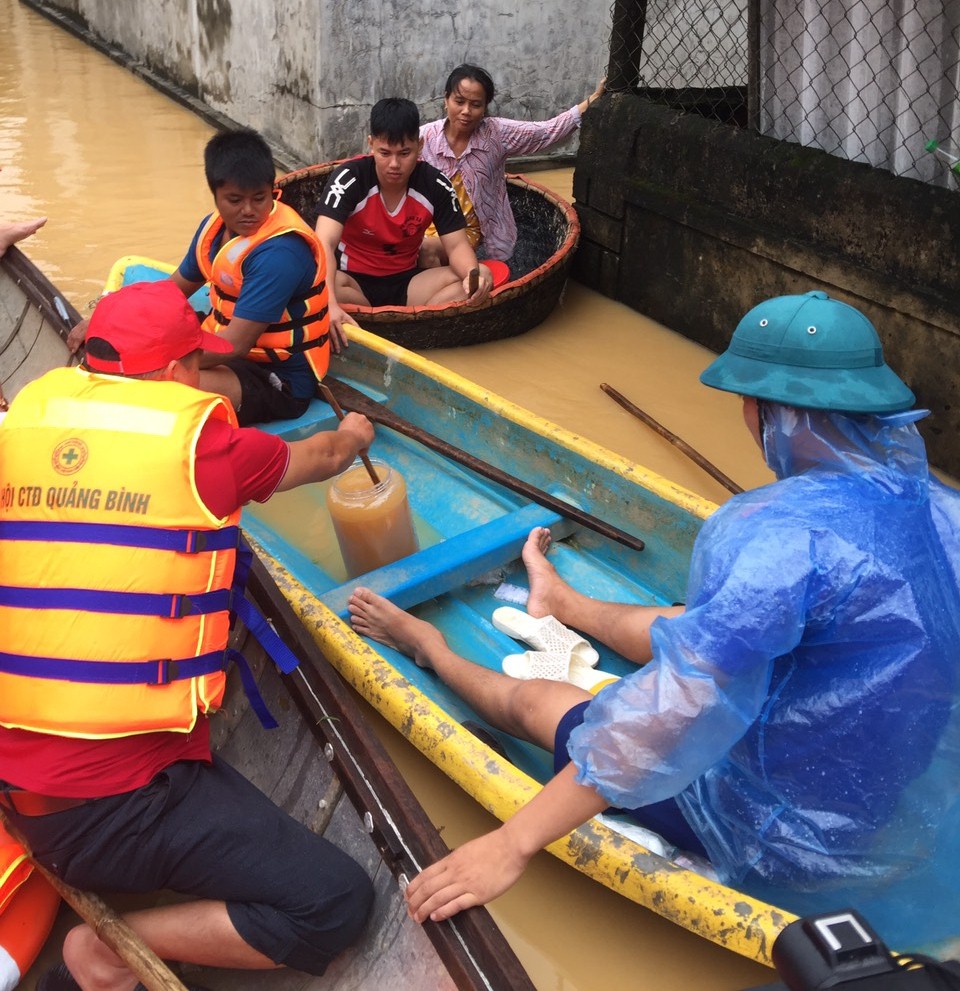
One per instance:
(695,456)
(367,463)
(109,927)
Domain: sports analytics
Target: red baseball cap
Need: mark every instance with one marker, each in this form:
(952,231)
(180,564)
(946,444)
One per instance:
(149,324)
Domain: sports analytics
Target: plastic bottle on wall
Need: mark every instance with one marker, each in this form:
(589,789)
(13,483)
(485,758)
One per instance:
(952,161)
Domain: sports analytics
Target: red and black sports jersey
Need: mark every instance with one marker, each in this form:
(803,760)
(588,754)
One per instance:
(375,242)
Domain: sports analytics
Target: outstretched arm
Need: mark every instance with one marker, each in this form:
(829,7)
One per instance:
(327,453)
(11,233)
(185,285)
(527,137)
(242,334)
(486,867)
(584,105)
(329,232)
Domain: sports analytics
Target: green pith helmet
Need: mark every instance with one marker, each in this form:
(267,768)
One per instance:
(810,351)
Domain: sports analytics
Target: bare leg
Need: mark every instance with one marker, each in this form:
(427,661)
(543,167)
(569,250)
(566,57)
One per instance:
(432,254)
(529,710)
(12,233)
(196,932)
(624,627)
(349,291)
(222,381)
(435,286)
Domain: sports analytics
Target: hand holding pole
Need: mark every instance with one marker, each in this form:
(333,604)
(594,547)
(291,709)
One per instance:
(332,400)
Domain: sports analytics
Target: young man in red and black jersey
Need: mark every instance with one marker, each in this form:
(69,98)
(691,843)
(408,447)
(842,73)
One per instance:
(374,213)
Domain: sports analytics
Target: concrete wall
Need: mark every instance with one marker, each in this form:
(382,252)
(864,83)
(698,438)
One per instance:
(692,223)
(306,73)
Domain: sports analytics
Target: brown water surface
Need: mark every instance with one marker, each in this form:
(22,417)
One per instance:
(117,168)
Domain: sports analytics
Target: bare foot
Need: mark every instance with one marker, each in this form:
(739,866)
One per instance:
(548,591)
(11,233)
(372,615)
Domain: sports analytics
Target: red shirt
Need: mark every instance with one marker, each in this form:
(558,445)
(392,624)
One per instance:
(234,466)
(375,241)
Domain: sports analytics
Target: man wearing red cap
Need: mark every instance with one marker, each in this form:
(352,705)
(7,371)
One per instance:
(131,483)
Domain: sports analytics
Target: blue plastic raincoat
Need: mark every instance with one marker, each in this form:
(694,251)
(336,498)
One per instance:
(803,708)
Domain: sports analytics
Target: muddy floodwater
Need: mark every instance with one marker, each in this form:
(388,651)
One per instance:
(116,167)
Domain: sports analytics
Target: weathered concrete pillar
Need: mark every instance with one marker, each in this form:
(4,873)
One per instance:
(693,222)
(306,73)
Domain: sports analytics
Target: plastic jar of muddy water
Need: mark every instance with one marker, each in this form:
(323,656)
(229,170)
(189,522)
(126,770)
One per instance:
(372,522)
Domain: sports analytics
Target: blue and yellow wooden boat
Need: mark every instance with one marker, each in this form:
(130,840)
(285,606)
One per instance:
(471,529)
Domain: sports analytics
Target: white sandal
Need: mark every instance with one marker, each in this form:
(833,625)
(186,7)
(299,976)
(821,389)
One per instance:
(544,634)
(553,666)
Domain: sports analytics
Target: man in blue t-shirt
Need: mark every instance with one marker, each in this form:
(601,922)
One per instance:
(267,276)
(374,213)
(267,281)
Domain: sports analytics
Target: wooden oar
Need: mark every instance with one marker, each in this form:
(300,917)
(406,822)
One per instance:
(359,402)
(695,456)
(110,928)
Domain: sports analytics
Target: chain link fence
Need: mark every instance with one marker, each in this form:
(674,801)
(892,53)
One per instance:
(872,81)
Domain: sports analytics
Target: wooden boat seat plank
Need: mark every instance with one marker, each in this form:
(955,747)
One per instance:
(455,561)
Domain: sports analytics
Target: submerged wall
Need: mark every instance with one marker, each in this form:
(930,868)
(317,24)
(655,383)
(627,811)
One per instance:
(692,223)
(306,73)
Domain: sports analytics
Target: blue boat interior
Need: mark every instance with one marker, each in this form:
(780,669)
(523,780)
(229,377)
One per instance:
(470,532)
(140,272)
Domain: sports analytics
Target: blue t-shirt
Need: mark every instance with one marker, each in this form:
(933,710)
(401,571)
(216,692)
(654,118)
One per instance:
(276,275)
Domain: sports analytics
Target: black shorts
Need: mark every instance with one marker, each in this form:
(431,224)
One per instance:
(663,818)
(205,831)
(385,290)
(264,398)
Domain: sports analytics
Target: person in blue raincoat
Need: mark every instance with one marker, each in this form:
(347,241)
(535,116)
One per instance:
(797,722)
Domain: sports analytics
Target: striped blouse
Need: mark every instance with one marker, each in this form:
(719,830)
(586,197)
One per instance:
(481,167)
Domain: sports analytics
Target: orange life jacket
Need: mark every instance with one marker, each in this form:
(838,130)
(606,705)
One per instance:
(115,578)
(307,334)
(28,906)
(15,867)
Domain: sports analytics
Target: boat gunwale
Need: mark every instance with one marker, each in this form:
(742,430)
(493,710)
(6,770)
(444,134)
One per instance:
(39,290)
(471,946)
(633,472)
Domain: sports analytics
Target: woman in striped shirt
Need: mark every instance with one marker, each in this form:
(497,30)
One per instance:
(471,149)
